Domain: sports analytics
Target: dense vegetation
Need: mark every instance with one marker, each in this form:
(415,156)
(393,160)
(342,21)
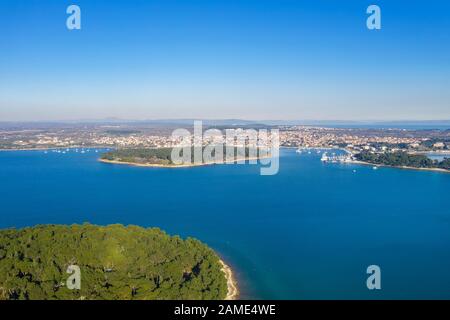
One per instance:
(163,156)
(116,262)
(402,159)
(140,155)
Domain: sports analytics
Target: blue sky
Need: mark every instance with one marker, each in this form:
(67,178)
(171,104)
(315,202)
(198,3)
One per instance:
(250,59)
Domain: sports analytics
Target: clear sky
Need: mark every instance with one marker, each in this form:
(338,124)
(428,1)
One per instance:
(249,59)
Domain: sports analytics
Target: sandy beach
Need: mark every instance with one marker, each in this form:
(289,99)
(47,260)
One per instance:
(233,292)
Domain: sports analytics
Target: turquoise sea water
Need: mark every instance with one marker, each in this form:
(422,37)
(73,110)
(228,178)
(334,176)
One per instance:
(308,232)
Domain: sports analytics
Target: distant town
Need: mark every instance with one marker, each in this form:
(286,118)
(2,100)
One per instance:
(158,135)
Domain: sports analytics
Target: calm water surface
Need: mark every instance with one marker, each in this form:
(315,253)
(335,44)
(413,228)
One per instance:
(308,232)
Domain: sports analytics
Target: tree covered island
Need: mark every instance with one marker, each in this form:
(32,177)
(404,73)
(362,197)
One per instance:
(163,156)
(403,159)
(115,262)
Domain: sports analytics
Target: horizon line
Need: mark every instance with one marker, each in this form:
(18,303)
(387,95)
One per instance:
(114,119)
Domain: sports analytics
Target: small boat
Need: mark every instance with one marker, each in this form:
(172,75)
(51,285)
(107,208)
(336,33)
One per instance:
(374,168)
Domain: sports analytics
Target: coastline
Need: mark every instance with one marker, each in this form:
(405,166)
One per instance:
(232,288)
(390,166)
(400,167)
(440,170)
(179,165)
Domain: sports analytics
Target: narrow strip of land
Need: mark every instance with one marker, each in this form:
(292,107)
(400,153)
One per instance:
(154,165)
(232,289)
(399,167)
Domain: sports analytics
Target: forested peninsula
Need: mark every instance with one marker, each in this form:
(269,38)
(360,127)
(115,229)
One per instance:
(403,159)
(162,157)
(115,262)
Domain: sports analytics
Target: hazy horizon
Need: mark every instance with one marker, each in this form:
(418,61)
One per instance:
(237,120)
(216,59)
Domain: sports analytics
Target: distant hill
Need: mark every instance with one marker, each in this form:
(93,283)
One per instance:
(400,124)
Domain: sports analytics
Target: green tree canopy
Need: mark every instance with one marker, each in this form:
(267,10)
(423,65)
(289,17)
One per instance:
(116,262)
